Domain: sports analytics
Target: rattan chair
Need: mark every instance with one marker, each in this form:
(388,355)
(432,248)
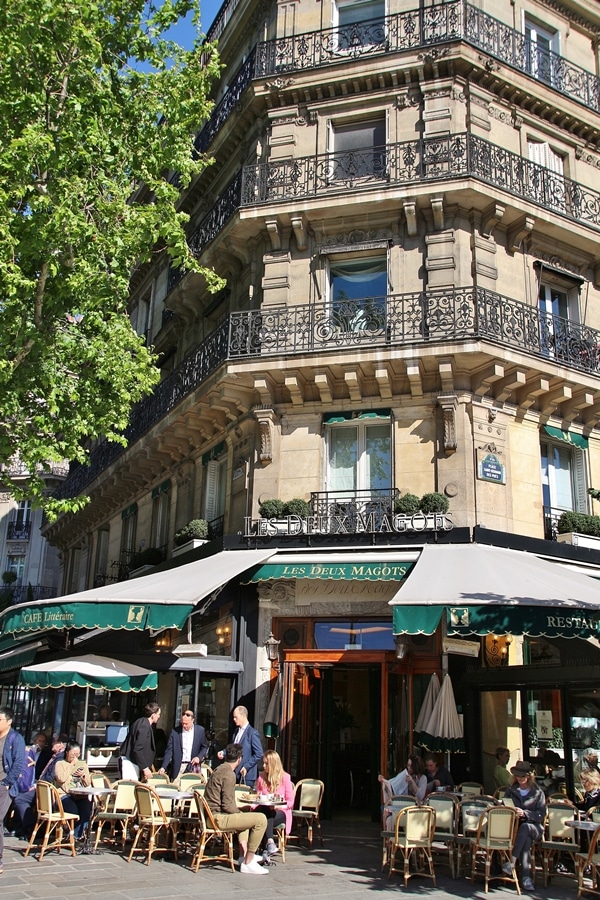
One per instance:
(558,837)
(496,834)
(589,863)
(153,822)
(468,816)
(157,779)
(413,837)
(444,837)
(122,813)
(308,797)
(391,810)
(211,833)
(469,788)
(189,780)
(52,817)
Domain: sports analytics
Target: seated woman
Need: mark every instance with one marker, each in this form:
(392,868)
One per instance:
(411,780)
(71,772)
(530,806)
(590,779)
(273,780)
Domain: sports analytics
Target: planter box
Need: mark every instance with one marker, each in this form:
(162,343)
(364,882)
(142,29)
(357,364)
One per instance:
(189,545)
(142,570)
(579,540)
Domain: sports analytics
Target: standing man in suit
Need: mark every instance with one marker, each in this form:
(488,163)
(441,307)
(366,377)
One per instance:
(138,750)
(252,749)
(187,745)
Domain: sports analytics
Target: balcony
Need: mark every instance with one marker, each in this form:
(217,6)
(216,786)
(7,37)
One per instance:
(409,30)
(18,531)
(431,318)
(26,593)
(355,505)
(423,161)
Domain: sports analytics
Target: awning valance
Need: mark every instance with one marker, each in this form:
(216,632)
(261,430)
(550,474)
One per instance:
(465,621)
(567,437)
(337,567)
(156,601)
(18,657)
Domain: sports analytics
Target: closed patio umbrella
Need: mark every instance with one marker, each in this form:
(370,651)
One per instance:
(97,672)
(444,729)
(431,695)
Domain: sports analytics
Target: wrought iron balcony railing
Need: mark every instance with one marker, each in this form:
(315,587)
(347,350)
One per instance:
(424,160)
(424,317)
(18,531)
(28,593)
(430,25)
(355,504)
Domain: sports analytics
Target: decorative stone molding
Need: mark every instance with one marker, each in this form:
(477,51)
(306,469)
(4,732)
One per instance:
(557,262)
(491,217)
(357,239)
(299,232)
(408,98)
(518,232)
(267,421)
(274,233)
(508,116)
(279,84)
(4,496)
(449,405)
(437,208)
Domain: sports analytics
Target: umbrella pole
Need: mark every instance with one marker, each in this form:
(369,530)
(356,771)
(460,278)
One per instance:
(85,715)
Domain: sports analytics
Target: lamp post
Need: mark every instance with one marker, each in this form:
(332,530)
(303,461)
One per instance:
(272,647)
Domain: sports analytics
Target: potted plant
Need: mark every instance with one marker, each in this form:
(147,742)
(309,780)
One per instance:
(271,509)
(192,535)
(297,507)
(407,505)
(145,559)
(434,503)
(579,529)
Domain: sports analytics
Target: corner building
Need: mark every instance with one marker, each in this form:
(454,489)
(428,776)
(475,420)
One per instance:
(405,203)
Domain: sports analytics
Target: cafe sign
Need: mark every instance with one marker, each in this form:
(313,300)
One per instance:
(372,523)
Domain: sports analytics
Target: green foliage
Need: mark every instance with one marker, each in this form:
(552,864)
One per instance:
(197,529)
(297,507)
(582,524)
(434,503)
(271,509)
(9,577)
(408,505)
(594,493)
(97,109)
(150,556)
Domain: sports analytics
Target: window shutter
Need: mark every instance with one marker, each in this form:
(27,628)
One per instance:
(210,503)
(580,481)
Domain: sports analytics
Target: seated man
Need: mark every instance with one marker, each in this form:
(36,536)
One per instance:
(220,797)
(437,774)
(25,805)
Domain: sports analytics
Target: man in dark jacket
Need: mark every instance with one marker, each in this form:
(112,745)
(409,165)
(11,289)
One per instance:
(12,766)
(139,745)
(187,745)
(252,750)
(24,804)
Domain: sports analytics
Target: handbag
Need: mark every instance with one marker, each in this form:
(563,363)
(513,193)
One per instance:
(196,768)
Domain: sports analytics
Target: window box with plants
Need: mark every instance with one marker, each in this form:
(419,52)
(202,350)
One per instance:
(285,516)
(579,529)
(428,504)
(145,560)
(192,535)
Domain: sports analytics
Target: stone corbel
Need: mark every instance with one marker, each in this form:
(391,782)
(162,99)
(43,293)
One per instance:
(518,232)
(299,232)
(449,404)
(492,215)
(437,208)
(274,233)
(410,211)
(267,421)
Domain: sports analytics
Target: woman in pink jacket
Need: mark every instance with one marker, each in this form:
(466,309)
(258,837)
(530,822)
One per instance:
(275,782)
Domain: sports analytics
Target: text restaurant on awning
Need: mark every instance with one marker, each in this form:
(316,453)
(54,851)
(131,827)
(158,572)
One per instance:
(482,589)
(157,601)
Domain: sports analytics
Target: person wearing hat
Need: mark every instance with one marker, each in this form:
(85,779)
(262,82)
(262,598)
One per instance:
(530,806)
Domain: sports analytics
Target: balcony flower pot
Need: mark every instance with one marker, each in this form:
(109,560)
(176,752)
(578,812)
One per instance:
(189,545)
(591,541)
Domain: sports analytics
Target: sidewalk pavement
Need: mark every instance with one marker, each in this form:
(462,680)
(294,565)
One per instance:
(348,866)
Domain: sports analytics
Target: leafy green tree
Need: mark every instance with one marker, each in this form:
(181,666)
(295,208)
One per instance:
(98,110)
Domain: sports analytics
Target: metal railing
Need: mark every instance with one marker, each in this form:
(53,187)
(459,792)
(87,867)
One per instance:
(424,160)
(18,531)
(354,504)
(423,317)
(28,593)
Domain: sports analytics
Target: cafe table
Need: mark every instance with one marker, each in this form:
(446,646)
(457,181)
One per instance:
(94,793)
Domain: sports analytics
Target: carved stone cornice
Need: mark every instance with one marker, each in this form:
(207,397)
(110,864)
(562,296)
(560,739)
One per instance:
(449,405)
(267,421)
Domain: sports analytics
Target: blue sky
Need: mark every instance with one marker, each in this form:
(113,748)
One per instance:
(184,32)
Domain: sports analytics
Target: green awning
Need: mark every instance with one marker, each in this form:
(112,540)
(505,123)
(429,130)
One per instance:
(465,621)
(567,437)
(356,571)
(98,673)
(416,619)
(107,614)
(15,659)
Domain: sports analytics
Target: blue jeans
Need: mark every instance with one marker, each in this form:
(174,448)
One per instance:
(82,807)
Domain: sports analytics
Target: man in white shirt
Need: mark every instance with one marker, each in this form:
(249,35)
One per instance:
(187,746)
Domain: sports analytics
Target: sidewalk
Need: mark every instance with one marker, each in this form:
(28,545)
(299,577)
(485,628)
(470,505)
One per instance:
(348,866)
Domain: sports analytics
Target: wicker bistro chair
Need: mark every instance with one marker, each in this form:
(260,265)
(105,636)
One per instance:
(589,862)
(189,820)
(211,833)
(391,810)
(496,833)
(122,813)
(189,780)
(468,816)
(158,780)
(444,837)
(558,837)
(469,788)
(309,796)
(51,815)
(413,834)
(153,822)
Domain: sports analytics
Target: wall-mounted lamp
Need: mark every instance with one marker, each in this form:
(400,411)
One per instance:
(223,633)
(272,648)
(497,648)
(402,645)
(163,642)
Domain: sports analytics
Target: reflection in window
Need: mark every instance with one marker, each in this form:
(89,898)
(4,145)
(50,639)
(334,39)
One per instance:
(358,289)
(351,635)
(359,457)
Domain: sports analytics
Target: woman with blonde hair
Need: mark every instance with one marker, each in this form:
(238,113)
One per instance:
(530,806)
(274,782)
(590,780)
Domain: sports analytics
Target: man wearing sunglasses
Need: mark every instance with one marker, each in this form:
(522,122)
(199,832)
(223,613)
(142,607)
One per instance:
(187,746)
